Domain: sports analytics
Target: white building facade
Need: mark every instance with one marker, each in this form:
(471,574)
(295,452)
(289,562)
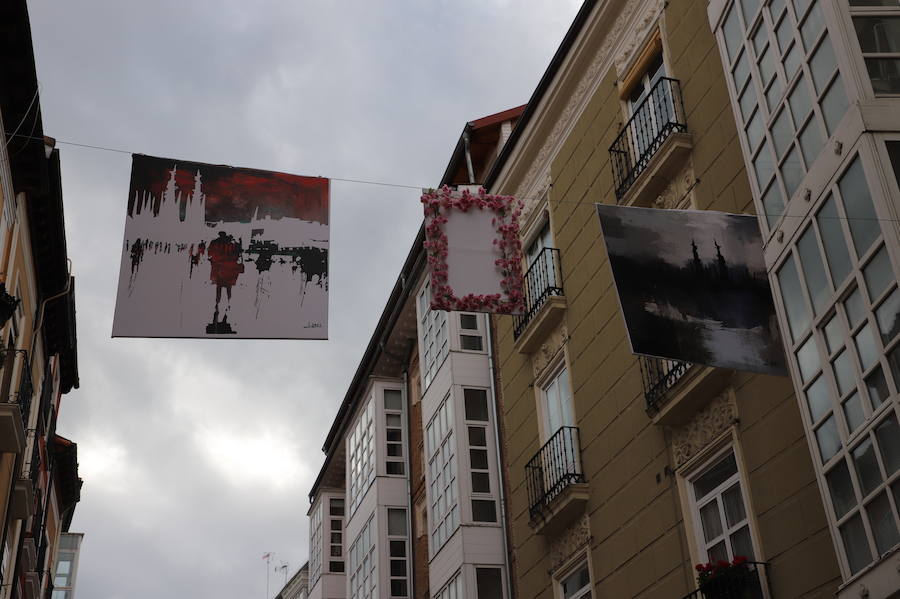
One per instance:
(815,90)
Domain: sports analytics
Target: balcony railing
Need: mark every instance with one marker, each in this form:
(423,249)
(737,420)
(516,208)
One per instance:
(659,375)
(746,586)
(556,466)
(541,281)
(26,392)
(657,117)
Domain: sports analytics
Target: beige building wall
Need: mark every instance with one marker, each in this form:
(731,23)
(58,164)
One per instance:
(635,527)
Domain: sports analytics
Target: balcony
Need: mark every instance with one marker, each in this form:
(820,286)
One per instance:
(675,391)
(659,376)
(14,414)
(653,141)
(746,586)
(544,301)
(557,492)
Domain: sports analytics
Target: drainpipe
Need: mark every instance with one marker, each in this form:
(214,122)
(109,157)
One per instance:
(411,505)
(500,461)
(469,157)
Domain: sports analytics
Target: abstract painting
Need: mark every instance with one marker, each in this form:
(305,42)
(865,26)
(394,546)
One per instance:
(692,286)
(214,251)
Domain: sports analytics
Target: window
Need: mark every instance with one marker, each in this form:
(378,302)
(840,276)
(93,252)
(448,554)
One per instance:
(471,332)
(556,395)
(398,552)
(394,425)
(442,489)
(315,543)
(877,26)
(432,336)
(361,455)
(720,515)
(489,583)
(840,293)
(63,575)
(787,90)
(484,508)
(452,590)
(336,535)
(577,584)
(363,562)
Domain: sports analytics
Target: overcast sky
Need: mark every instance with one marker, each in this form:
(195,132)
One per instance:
(197,456)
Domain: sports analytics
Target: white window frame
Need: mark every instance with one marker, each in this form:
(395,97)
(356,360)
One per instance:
(857,55)
(402,440)
(478,332)
(339,520)
(362,575)
(316,550)
(397,538)
(434,335)
(542,385)
(442,494)
(573,565)
(361,455)
(454,589)
(487,425)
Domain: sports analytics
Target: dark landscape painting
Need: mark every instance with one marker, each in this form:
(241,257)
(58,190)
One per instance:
(219,251)
(693,287)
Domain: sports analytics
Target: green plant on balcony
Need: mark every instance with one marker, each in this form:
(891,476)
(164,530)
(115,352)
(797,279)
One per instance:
(724,579)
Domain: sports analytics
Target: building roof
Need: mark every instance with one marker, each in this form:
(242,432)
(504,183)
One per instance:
(546,79)
(67,483)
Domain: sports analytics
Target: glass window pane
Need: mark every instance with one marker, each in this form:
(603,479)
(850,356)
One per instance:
(755,130)
(834,105)
(767,66)
(741,72)
(866,346)
(715,476)
(749,8)
(888,435)
(478,459)
(747,102)
(393,420)
(717,552)
(833,337)
(476,404)
(828,439)
(800,101)
(858,206)
(833,241)
(776,7)
(398,548)
(797,314)
(576,581)
(822,65)
(481,482)
(760,39)
(488,583)
(842,496)
(396,522)
(741,545)
(792,171)
(856,311)
(468,322)
(813,26)
(792,61)
(484,510)
(477,436)
(878,34)
(712,522)
(774,93)
(782,133)
(817,399)
(470,343)
(867,466)
(878,274)
(808,359)
(853,412)
(813,270)
(884,74)
(888,317)
(773,204)
(843,373)
(877,386)
(882,523)
(784,33)
(392,399)
(732,33)
(811,141)
(734,506)
(855,544)
(894,362)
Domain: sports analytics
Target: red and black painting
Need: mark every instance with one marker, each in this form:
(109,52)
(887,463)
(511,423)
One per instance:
(219,251)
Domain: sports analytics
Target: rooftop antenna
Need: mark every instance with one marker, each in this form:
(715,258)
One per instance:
(268,557)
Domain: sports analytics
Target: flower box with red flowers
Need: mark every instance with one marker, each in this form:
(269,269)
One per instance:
(725,580)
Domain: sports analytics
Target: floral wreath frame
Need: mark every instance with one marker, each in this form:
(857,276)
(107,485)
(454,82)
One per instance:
(506,209)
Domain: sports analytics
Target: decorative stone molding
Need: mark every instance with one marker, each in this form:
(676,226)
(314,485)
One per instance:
(710,422)
(676,195)
(535,199)
(590,79)
(572,540)
(548,350)
(635,40)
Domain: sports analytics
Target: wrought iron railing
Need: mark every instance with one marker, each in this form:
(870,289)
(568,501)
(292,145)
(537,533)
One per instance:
(25,393)
(659,375)
(657,117)
(748,584)
(541,281)
(556,466)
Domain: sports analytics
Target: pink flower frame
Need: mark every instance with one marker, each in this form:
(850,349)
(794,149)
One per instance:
(438,203)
